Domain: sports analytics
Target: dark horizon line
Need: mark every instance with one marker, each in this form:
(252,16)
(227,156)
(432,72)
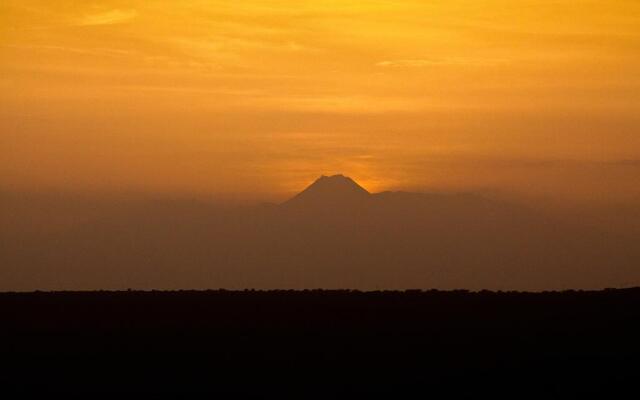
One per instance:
(317,290)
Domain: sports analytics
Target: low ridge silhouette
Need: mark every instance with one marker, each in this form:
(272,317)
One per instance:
(323,344)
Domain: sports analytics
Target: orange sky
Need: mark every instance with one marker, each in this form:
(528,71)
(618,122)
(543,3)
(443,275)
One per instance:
(254,99)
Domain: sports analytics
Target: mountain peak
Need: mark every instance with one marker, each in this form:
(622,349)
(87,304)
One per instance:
(336,178)
(334,190)
(337,184)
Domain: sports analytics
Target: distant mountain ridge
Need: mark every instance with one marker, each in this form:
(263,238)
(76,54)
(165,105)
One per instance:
(340,192)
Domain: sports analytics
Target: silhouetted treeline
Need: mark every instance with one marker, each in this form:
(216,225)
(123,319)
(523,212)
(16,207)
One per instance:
(322,343)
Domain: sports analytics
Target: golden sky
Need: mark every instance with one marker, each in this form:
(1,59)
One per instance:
(254,99)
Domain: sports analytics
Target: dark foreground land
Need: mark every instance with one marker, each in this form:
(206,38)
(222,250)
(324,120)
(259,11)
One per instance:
(323,343)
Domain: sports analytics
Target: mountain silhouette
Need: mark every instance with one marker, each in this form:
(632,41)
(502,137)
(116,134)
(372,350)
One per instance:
(330,191)
(333,234)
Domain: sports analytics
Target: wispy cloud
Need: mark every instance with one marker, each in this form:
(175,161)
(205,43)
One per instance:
(428,62)
(94,51)
(111,17)
(228,44)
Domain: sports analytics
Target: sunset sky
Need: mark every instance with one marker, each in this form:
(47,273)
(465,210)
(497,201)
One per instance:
(252,100)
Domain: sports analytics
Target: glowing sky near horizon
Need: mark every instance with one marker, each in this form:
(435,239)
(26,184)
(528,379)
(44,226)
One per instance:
(253,99)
